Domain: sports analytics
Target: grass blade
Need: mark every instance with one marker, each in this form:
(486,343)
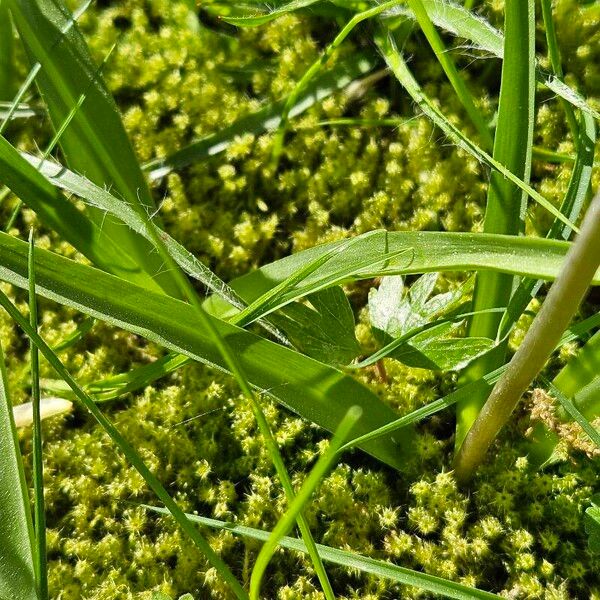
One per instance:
(351,560)
(124,446)
(264,17)
(316,475)
(445,59)
(17,571)
(95,143)
(506,204)
(555,62)
(41,563)
(278,371)
(267,118)
(397,64)
(459,21)
(7,70)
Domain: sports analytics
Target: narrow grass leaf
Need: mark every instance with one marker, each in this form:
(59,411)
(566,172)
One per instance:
(95,143)
(351,560)
(17,550)
(313,390)
(41,562)
(125,447)
(314,478)
(397,64)
(265,16)
(463,23)
(505,203)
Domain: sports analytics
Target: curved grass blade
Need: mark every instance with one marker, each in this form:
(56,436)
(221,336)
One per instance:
(95,142)
(268,118)
(17,571)
(39,510)
(313,70)
(311,389)
(457,82)
(458,21)
(125,447)
(397,64)
(351,560)
(572,204)
(316,475)
(429,251)
(103,200)
(264,17)
(506,203)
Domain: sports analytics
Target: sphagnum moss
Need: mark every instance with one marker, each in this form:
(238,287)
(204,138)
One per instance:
(506,535)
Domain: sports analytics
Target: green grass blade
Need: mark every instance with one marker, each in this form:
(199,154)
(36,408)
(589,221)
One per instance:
(265,16)
(312,389)
(41,563)
(571,206)
(351,560)
(316,475)
(397,64)
(555,62)
(457,20)
(95,143)
(17,571)
(104,201)
(457,82)
(59,213)
(506,204)
(314,69)
(7,67)
(429,251)
(267,118)
(573,412)
(125,447)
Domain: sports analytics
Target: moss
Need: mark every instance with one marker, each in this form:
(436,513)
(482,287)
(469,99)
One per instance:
(516,532)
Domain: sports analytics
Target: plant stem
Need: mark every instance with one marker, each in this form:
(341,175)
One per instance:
(41,565)
(505,202)
(562,302)
(554,56)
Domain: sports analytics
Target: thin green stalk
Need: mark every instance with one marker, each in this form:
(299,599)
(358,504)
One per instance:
(236,369)
(7,68)
(279,136)
(310,484)
(41,565)
(445,59)
(555,63)
(562,302)
(128,450)
(505,202)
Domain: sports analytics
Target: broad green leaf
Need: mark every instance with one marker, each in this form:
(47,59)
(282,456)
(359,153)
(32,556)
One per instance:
(344,73)
(313,390)
(403,317)
(592,524)
(351,560)
(17,576)
(428,251)
(95,142)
